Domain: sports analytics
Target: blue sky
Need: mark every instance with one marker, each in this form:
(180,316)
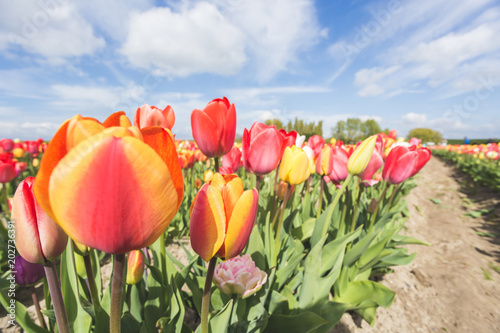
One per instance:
(407,64)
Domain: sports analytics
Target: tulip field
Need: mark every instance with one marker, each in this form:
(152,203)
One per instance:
(285,233)
(481,162)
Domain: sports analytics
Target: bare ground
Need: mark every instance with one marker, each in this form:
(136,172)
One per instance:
(452,285)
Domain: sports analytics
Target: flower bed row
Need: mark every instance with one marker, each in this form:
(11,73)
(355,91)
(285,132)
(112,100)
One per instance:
(286,235)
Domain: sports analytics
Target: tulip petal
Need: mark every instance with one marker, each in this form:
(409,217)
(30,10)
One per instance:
(241,223)
(24,210)
(231,193)
(286,164)
(113,194)
(208,222)
(161,141)
(79,129)
(205,132)
(265,151)
(117,119)
(53,154)
(300,170)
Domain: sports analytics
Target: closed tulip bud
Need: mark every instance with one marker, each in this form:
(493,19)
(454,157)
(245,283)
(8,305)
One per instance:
(262,148)
(360,157)
(339,169)
(35,162)
(403,163)
(239,276)
(294,168)
(38,238)
(222,217)
(152,116)
(282,187)
(135,267)
(333,141)
(372,206)
(81,249)
(80,266)
(113,187)
(324,163)
(27,273)
(7,171)
(214,127)
(197,183)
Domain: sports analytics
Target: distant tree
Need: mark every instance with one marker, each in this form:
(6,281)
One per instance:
(354,130)
(425,134)
(299,126)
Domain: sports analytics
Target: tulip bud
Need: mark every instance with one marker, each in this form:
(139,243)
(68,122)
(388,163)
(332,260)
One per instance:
(135,267)
(81,249)
(197,183)
(7,171)
(26,272)
(360,158)
(207,176)
(80,266)
(282,186)
(239,276)
(372,206)
(18,152)
(294,167)
(38,238)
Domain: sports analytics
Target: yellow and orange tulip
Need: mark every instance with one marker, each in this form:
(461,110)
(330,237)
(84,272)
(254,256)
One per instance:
(135,267)
(110,186)
(222,217)
(361,156)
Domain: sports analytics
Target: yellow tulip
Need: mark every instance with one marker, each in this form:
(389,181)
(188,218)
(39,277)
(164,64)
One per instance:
(294,168)
(360,158)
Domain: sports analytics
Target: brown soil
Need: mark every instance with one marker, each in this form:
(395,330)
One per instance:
(451,286)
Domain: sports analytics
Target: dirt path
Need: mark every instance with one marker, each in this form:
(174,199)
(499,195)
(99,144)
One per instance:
(445,289)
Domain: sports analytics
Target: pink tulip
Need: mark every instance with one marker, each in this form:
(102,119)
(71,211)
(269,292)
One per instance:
(339,170)
(262,148)
(316,143)
(7,144)
(146,116)
(239,276)
(232,160)
(214,127)
(403,163)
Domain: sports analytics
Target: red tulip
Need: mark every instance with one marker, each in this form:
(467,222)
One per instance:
(32,147)
(146,116)
(289,138)
(38,238)
(7,144)
(7,171)
(232,160)
(393,134)
(110,186)
(403,163)
(222,217)
(262,148)
(316,143)
(214,127)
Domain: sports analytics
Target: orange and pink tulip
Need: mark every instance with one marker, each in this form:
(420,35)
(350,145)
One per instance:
(110,186)
(146,116)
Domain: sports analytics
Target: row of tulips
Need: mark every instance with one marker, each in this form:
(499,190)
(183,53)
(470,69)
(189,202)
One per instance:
(481,162)
(292,232)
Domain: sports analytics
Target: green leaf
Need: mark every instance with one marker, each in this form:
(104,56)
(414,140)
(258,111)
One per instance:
(359,248)
(255,248)
(332,312)
(304,231)
(79,319)
(363,294)
(405,240)
(303,322)
(218,323)
(21,314)
(435,201)
(312,268)
(285,272)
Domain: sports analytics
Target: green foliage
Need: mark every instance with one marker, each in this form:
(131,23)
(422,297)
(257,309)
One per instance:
(483,171)
(299,126)
(426,135)
(354,130)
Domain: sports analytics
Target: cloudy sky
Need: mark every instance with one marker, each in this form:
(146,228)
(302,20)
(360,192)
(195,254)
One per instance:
(407,64)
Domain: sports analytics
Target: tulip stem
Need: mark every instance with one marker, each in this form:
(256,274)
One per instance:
(216,164)
(374,215)
(257,183)
(234,298)
(5,204)
(320,201)
(394,191)
(116,293)
(34,297)
(94,295)
(280,224)
(344,211)
(355,214)
(334,203)
(56,295)
(205,303)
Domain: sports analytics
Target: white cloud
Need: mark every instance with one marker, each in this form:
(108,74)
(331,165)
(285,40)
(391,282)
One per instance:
(51,29)
(368,79)
(222,38)
(194,40)
(412,117)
